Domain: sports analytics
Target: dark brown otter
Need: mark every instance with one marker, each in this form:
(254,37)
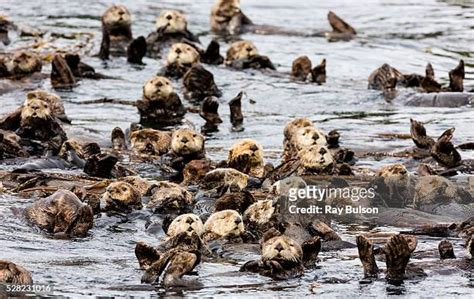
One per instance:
(318,73)
(444,152)
(62,214)
(199,84)
(456,77)
(301,68)
(14,274)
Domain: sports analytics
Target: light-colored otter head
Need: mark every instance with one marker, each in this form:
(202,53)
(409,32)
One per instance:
(251,149)
(225,177)
(35,109)
(308,136)
(121,196)
(117,16)
(294,125)
(226,223)
(241,50)
(157,88)
(52,99)
(393,170)
(14,274)
(259,212)
(185,142)
(187,223)
(182,54)
(141,184)
(315,157)
(24,63)
(171,21)
(170,197)
(282,248)
(150,142)
(225,9)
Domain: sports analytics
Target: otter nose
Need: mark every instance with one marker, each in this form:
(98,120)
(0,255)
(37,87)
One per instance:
(322,151)
(121,12)
(168,17)
(190,221)
(159,84)
(249,49)
(279,247)
(254,148)
(238,220)
(178,51)
(315,136)
(184,139)
(149,148)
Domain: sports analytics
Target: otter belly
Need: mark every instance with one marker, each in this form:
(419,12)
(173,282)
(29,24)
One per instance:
(442,99)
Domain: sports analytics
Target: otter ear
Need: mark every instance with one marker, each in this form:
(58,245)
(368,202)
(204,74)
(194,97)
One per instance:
(272,232)
(30,95)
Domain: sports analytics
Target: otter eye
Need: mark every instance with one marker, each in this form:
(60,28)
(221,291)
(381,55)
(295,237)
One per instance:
(124,189)
(194,135)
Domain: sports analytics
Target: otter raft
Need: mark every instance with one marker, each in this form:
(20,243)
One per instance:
(229,148)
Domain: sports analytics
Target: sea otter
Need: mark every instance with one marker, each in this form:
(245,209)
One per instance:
(181,57)
(243,55)
(160,105)
(223,178)
(121,197)
(150,142)
(10,145)
(170,198)
(19,65)
(302,68)
(171,27)
(301,134)
(226,224)
(247,156)
(14,274)
(61,214)
(117,37)
(185,223)
(186,145)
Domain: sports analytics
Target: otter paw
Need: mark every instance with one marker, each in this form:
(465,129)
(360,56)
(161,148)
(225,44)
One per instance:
(397,255)
(146,255)
(446,250)
(366,256)
(311,249)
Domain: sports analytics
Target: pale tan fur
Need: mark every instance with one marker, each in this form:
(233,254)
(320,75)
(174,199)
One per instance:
(150,141)
(181,53)
(187,142)
(240,50)
(157,88)
(290,249)
(122,193)
(260,212)
(188,223)
(117,15)
(172,20)
(226,223)
(246,147)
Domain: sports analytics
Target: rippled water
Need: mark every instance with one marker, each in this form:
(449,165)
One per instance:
(405,34)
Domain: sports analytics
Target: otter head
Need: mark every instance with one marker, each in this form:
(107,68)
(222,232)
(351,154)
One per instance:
(122,197)
(171,21)
(170,197)
(83,221)
(25,63)
(281,248)
(185,142)
(294,125)
(223,224)
(222,177)
(157,88)
(393,170)
(52,99)
(226,8)
(35,109)
(250,152)
(150,142)
(182,54)
(308,136)
(315,157)
(186,223)
(117,16)
(260,212)
(241,50)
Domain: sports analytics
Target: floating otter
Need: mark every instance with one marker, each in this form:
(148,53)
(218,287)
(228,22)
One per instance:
(243,55)
(160,105)
(222,178)
(300,134)
(195,171)
(10,146)
(247,156)
(315,159)
(226,224)
(302,68)
(199,84)
(121,197)
(61,213)
(117,37)
(170,198)
(171,27)
(186,145)
(14,274)
(185,223)
(150,142)
(181,57)
(20,64)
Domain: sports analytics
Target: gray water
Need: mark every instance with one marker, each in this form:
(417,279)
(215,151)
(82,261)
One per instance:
(405,34)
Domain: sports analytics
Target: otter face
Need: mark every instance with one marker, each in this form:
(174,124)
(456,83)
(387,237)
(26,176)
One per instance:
(142,185)
(150,142)
(259,212)
(308,136)
(157,88)
(170,197)
(227,8)
(315,157)
(52,99)
(171,21)
(117,16)
(35,109)
(122,196)
(294,125)
(182,53)
(24,63)
(188,223)
(227,223)
(241,50)
(393,170)
(186,142)
(282,248)
(225,177)
(247,147)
